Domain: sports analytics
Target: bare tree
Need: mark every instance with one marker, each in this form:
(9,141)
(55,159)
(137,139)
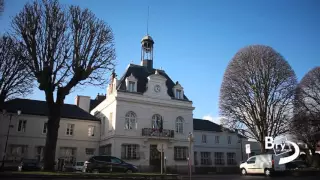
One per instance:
(15,77)
(306,124)
(1,6)
(68,47)
(257,93)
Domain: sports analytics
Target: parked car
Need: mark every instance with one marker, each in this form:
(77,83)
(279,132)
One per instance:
(78,166)
(102,163)
(262,164)
(30,165)
(296,164)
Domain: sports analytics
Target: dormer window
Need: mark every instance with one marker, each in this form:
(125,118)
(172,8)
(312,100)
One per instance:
(178,94)
(131,86)
(178,91)
(131,83)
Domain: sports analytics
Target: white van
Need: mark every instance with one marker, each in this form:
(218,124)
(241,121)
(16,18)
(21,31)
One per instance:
(262,164)
(78,166)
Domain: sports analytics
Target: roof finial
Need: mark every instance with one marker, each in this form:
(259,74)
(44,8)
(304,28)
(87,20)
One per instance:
(148,22)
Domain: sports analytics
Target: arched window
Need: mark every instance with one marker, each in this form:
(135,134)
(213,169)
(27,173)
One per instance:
(131,120)
(156,121)
(179,125)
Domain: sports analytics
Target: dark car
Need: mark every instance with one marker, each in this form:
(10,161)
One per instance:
(98,164)
(30,165)
(296,164)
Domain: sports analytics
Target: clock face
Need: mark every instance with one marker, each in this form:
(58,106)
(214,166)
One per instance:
(157,88)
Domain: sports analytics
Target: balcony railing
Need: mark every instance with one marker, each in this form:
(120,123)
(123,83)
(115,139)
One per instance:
(166,133)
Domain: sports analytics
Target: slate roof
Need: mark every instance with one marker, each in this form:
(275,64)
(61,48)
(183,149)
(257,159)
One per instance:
(205,125)
(36,107)
(94,103)
(141,73)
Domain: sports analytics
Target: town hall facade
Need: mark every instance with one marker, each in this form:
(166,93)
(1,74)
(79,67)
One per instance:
(140,110)
(137,106)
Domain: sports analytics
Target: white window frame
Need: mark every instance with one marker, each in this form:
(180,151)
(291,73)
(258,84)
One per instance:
(204,138)
(69,154)
(180,152)
(91,131)
(89,150)
(132,85)
(231,158)
(110,121)
(22,126)
(103,125)
(105,150)
(155,119)
(130,121)
(178,93)
(70,129)
(205,158)
(179,125)
(229,139)
(218,160)
(217,139)
(39,155)
(45,128)
(130,151)
(17,152)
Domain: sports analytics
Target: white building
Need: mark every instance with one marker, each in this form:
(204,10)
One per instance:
(27,133)
(125,123)
(136,105)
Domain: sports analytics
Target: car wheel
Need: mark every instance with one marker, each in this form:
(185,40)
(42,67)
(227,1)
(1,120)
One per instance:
(129,171)
(95,171)
(267,172)
(243,172)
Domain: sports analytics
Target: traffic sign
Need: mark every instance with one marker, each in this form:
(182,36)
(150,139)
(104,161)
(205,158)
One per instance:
(248,150)
(161,147)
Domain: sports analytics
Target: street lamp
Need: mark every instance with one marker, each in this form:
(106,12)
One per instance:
(9,127)
(190,139)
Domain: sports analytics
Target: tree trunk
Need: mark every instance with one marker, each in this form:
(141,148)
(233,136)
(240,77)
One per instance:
(52,136)
(262,147)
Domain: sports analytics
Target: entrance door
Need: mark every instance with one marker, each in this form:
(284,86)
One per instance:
(155,158)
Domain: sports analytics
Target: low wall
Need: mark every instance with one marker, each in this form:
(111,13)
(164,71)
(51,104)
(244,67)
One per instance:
(217,170)
(195,170)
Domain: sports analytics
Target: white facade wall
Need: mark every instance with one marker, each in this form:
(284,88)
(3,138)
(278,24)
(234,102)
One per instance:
(120,103)
(34,136)
(212,147)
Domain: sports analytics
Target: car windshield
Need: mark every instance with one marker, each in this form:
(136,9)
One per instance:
(79,163)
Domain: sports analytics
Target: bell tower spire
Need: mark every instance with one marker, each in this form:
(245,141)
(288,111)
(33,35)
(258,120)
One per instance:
(147,49)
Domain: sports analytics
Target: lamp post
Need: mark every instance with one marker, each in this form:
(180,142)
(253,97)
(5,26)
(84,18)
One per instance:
(240,141)
(190,139)
(6,144)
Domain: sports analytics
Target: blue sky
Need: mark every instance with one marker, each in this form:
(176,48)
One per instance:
(195,40)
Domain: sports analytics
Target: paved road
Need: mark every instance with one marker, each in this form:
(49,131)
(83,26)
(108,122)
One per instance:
(238,177)
(215,177)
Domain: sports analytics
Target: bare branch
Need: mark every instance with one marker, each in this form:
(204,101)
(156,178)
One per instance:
(306,123)
(15,77)
(68,47)
(257,92)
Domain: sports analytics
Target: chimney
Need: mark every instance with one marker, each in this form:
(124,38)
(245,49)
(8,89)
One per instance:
(83,102)
(100,97)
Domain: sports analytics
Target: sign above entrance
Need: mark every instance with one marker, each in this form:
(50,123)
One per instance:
(161,147)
